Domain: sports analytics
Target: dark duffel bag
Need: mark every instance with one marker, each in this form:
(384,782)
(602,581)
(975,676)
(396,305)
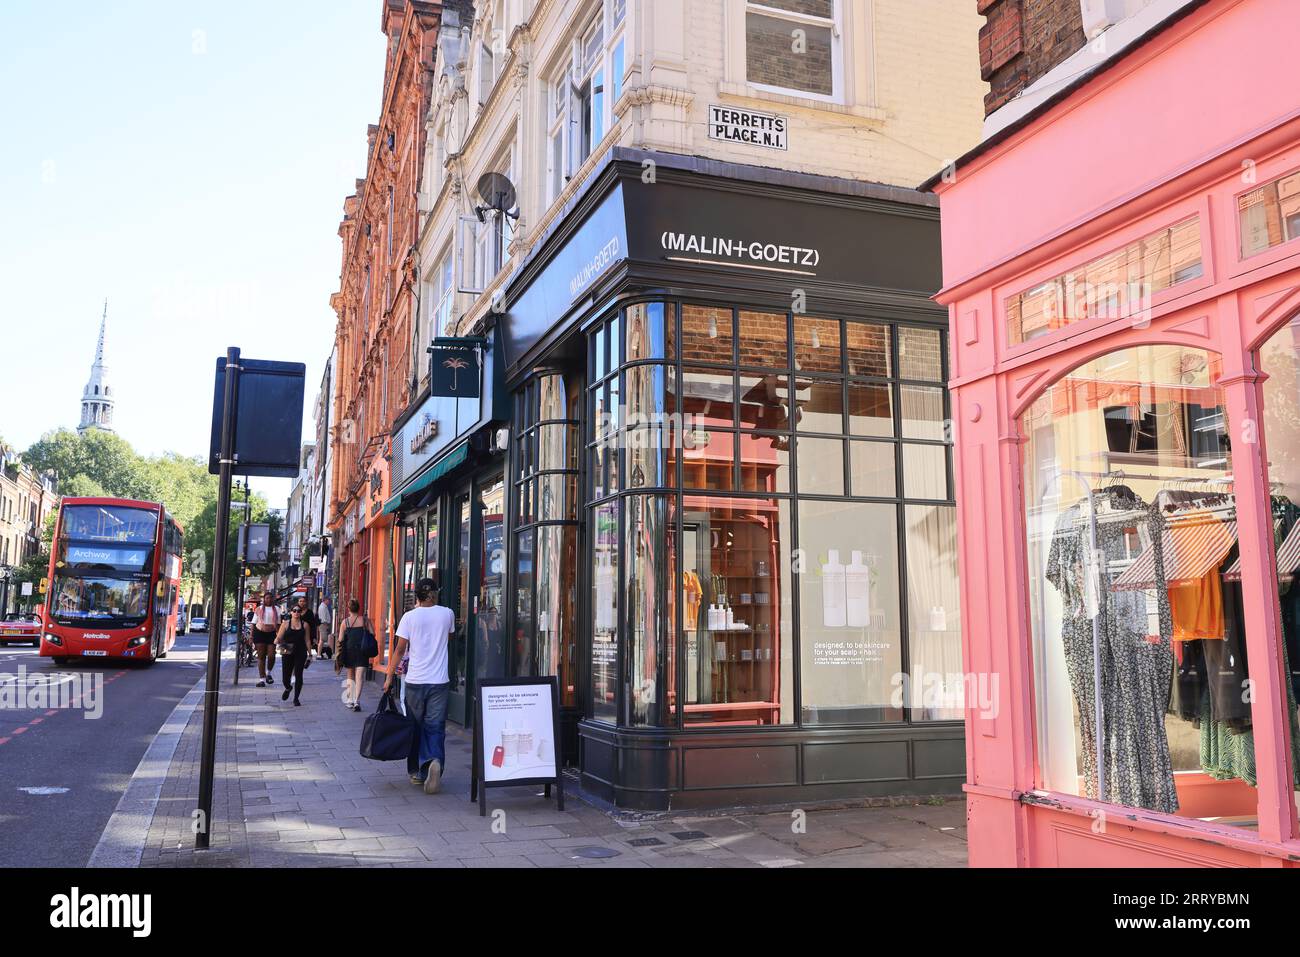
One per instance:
(387,734)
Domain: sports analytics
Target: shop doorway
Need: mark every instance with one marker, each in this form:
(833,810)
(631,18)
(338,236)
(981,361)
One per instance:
(474,589)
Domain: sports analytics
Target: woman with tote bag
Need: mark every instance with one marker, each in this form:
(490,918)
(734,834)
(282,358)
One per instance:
(356,650)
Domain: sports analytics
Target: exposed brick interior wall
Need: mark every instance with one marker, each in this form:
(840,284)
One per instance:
(1023,39)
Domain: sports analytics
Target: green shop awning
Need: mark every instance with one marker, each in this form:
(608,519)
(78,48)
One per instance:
(436,471)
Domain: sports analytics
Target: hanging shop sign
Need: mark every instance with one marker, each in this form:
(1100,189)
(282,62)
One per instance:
(455,368)
(517,737)
(750,127)
(377,483)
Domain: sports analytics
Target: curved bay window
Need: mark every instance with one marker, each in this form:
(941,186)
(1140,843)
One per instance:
(782,486)
(546,531)
(1144,696)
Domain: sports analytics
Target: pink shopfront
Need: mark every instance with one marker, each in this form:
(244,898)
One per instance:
(1122,270)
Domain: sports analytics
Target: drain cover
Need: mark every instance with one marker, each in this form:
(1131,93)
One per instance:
(689,835)
(646,842)
(595,853)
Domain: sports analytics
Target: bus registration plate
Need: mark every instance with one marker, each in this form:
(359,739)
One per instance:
(94,654)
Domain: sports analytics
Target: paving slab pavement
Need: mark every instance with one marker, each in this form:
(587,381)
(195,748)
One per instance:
(291,790)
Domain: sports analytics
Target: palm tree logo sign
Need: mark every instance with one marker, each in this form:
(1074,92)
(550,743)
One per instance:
(455,365)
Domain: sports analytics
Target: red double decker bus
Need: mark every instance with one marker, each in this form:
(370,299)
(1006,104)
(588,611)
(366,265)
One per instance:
(114,581)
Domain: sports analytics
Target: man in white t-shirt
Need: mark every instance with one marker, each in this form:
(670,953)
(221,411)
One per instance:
(422,634)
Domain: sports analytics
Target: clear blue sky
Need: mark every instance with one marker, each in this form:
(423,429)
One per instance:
(187,160)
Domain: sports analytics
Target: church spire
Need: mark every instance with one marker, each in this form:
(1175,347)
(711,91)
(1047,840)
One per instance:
(96,398)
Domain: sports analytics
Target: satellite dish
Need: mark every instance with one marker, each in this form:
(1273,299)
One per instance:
(498,193)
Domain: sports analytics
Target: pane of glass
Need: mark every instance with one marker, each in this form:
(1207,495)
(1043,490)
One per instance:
(431,542)
(922,412)
(925,471)
(763,339)
(813,8)
(849,612)
(616,70)
(552,505)
(489,620)
(709,460)
(604,611)
(552,399)
(937,686)
(615,406)
(600,470)
(600,347)
(764,462)
(647,461)
(871,409)
(1279,359)
(821,466)
(817,344)
(774,57)
(646,393)
(764,401)
(872,472)
(737,612)
(821,405)
(524,623)
(557,563)
(707,399)
(707,335)
(920,354)
(650,559)
(552,445)
(645,331)
(867,348)
(1133,553)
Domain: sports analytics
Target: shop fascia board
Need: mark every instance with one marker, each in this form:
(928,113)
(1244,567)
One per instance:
(1220,163)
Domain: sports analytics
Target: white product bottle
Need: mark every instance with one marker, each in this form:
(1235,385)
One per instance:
(730,618)
(938,618)
(833,611)
(524,743)
(712,618)
(857,591)
(509,746)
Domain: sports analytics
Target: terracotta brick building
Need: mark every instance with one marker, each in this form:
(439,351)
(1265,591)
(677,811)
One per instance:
(375,304)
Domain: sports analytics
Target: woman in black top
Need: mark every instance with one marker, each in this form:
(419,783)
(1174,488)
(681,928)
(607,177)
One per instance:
(294,653)
(352,659)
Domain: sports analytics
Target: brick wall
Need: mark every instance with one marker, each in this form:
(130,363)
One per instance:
(1023,39)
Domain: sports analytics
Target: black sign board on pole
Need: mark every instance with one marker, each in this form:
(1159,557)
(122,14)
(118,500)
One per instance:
(454,368)
(516,737)
(267,422)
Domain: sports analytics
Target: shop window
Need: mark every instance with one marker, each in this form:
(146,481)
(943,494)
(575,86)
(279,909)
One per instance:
(764,445)
(1269,216)
(1279,359)
(1143,691)
(546,446)
(1117,285)
(737,611)
(794,46)
(850,638)
(650,568)
(604,526)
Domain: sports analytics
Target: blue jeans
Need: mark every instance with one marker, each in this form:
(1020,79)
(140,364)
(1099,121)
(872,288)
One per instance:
(426,705)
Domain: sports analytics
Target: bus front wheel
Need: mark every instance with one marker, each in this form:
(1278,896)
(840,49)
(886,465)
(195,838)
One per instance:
(59,662)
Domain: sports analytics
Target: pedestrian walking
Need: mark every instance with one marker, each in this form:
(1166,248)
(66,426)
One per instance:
(266,624)
(422,634)
(294,639)
(325,646)
(352,660)
(312,623)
